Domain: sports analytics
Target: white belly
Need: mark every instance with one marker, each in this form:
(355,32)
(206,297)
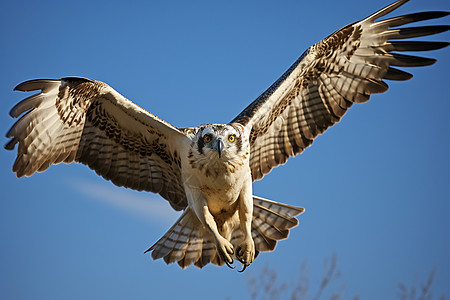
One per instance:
(218,185)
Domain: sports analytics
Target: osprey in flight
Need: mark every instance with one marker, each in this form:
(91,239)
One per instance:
(207,171)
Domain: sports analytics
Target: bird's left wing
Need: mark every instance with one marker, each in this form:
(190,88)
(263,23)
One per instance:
(78,119)
(316,91)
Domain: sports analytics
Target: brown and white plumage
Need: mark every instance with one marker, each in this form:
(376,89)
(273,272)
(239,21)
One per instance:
(187,242)
(344,68)
(208,170)
(77,119)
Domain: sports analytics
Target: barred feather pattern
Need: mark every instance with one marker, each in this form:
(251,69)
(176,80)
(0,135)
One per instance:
(318,89)
(188,242)
(77,119)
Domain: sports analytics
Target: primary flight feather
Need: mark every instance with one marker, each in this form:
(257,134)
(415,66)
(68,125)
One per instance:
(207,171)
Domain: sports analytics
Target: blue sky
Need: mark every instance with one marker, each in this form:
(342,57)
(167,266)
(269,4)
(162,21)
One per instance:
(375,186)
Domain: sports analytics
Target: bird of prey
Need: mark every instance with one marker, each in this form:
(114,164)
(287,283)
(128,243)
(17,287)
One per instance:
(207,171)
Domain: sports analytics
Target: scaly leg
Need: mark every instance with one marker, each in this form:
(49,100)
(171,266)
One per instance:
(245,252)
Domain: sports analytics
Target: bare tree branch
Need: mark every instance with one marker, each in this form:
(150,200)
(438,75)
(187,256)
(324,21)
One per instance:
(267,286)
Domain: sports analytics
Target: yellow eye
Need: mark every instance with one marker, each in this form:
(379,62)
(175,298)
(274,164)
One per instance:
(232,138)
(207,138)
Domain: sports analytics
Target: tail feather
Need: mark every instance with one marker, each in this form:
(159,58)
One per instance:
(188,242)
(192,250)
(173,245)
(271,222)
(207,254)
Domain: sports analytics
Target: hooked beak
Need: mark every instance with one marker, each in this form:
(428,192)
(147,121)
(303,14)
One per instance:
(220,146)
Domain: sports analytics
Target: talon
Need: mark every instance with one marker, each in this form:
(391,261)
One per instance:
(243,268)
(225,251)
(244,265)
(230,265)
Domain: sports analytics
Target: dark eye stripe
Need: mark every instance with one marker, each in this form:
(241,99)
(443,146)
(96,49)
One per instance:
(200,145)
(238,142)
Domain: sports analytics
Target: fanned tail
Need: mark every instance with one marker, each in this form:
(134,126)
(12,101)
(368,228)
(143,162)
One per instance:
(188,242)
(271,222)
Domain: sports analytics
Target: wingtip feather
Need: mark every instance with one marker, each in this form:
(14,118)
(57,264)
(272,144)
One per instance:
(384,11)
(11,144)
(35,84)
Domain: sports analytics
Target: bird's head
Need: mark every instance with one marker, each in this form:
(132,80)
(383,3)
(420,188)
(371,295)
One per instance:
(220,141)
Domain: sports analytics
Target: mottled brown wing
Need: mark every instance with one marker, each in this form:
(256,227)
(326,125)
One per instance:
(316,91)
(77,119)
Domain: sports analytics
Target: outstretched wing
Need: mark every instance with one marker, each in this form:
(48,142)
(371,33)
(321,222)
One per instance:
(316,91)
(77,119)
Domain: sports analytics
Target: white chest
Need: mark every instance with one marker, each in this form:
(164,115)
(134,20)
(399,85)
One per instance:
(219,181)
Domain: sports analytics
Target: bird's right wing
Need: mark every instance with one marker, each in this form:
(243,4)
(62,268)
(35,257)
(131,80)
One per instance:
(77,119)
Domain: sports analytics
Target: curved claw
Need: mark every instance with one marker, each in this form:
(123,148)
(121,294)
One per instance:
(244,264)
(229,265)
(243,268)
(223,256)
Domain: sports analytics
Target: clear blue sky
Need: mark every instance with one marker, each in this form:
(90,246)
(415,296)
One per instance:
(376,186)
